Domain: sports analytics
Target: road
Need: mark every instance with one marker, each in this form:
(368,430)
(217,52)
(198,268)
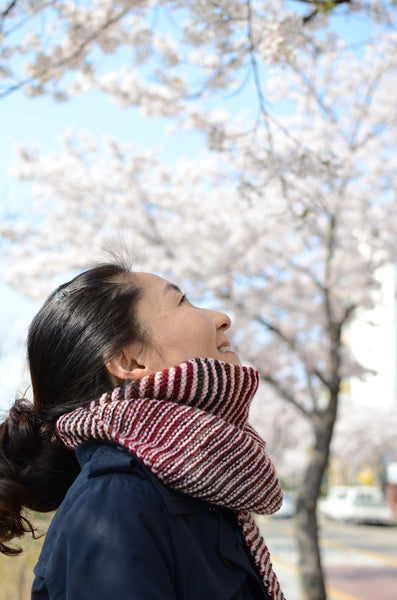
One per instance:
(360,561)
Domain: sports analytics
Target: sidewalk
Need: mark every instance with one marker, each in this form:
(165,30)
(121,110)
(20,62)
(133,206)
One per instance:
(287,574)
(341,584)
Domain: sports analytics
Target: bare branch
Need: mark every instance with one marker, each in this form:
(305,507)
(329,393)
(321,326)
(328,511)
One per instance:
(8,9)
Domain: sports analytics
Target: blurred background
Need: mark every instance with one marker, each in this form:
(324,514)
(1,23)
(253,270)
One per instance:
(246,151)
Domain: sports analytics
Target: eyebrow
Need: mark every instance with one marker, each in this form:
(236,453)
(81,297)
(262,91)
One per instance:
(173,287)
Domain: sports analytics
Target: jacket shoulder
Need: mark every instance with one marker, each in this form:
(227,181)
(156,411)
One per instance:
(110,532)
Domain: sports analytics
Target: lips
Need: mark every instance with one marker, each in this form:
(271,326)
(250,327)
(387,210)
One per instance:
(225,346)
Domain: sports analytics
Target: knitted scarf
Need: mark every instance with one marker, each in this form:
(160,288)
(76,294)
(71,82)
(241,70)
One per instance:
(188,425)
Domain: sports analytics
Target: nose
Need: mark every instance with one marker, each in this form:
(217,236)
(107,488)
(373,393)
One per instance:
(221,320)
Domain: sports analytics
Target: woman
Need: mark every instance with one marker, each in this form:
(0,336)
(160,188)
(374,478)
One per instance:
(138,433)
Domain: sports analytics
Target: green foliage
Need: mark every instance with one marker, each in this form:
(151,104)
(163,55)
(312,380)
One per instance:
(326,6)
(321,6)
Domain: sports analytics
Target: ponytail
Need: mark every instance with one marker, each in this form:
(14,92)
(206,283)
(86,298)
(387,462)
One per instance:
(82,324)
(35,471)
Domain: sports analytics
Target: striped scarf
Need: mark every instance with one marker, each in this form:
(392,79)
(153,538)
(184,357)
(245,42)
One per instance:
(188,425)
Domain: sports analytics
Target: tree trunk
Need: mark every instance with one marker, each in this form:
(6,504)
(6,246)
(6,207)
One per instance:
(310,567)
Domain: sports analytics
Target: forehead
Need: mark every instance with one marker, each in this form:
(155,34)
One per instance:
(154,284)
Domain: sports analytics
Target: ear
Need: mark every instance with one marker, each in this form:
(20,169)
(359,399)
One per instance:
(125,366)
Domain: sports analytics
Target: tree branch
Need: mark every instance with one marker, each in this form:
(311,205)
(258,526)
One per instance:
(8,9)
(364,109)
(284,393)
(290,342)
(67,59)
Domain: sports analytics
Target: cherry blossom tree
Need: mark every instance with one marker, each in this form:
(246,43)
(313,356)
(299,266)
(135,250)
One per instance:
(52,46)
(284,221)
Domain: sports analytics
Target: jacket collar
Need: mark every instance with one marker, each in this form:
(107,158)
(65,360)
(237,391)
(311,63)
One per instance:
(100,457)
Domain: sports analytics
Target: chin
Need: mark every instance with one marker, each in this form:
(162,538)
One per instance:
(230,357)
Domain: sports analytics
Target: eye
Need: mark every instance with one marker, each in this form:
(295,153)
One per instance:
(183,299)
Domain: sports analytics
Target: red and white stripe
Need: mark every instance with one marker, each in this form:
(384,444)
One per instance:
(189,426)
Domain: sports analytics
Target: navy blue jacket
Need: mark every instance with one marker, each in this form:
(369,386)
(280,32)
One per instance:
(120,534)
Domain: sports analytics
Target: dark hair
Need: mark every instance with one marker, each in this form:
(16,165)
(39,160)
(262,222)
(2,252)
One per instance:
(82,324)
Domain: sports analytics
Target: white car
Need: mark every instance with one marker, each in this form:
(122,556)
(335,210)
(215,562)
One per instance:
(357,504)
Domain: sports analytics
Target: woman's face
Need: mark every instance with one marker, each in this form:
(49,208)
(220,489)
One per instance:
(179,330)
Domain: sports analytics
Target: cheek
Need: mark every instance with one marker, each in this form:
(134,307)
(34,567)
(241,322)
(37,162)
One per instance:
(170,329)
(205,330)
(189,330)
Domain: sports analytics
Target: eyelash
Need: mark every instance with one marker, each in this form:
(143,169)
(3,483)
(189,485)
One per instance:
(183,299)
